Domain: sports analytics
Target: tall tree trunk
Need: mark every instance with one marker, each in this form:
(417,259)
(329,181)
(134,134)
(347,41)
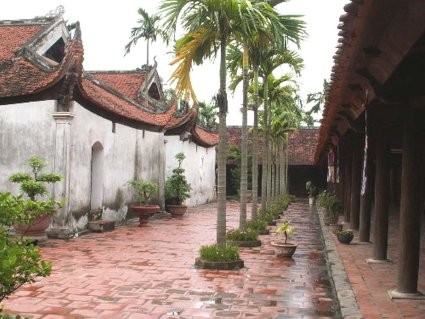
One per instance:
(269,166)
(265,161)
(244,144)
(286,170)
(282,168)
(146,83)
(222,146)
(255,149)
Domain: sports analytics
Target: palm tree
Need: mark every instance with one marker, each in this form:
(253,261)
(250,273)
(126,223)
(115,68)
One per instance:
(318,99)
(148,29)
(209,26)
(253,46)
(272,59)
(286,117)
(207,116)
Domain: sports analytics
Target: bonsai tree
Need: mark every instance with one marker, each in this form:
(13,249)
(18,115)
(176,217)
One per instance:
(34,185)
(286,229)
(311,189)
(144,190)
(177,189)
(21,260)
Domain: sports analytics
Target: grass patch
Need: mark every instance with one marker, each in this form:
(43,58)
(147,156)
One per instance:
(257,225)
(242,235)
(219,253)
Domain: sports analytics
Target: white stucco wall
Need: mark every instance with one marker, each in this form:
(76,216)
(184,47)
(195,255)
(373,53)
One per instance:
(26,129)
(199,166)
(29,129)
(127,154)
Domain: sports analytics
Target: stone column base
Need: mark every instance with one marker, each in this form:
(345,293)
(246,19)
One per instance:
(394,294)
(378,261)
(62,233)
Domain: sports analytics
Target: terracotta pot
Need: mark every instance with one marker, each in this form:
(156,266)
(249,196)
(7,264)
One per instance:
(37,228)
(284,249)
(177,211)
(144,212)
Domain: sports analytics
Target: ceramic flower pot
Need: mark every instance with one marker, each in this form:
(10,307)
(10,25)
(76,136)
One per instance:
(37,228)
(144,212)
(177,211)
(284,249)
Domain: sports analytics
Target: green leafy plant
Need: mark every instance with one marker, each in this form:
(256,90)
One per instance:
(20,260)
(177,189)
(143,189)
(34,186)
(345,236)
(219,253)
(242,235)
(331,205)
(257,225)
(311,189)
(285,229)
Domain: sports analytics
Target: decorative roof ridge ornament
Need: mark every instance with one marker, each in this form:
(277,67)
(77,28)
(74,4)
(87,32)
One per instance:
(56,13)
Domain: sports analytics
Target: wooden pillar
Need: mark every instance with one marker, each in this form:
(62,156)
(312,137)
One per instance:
(366,202)
(347,183)
(382,192)
(356,174)
(410,210)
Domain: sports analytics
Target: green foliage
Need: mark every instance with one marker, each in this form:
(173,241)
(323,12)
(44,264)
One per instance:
(177,189)
(144,189)
(20,261)
(345,235)
(311,189)
(207,116)
(219,253)
(258,225)
(34,185)
(332,207)
(242,235)
(286,229)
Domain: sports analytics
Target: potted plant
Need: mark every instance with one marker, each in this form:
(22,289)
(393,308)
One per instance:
(177,189)
(144,190)
(332,208)
(42,207)
(345,236)
(311,191)
(283,248)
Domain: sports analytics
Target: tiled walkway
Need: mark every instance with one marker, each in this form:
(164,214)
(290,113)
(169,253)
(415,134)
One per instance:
(148,272)
(372,281)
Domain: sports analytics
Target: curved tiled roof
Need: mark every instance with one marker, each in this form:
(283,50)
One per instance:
(24,72)
(374,37)
(111,102)
(204,137)
(19,72)
(126,82)
(14,37)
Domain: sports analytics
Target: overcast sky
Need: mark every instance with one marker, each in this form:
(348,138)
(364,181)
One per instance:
(106,27)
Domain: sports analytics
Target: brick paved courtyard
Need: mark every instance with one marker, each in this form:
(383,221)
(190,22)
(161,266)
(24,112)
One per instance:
(148,272)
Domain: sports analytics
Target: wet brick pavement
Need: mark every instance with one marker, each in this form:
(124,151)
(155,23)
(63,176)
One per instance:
(371,282)
(148,273)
